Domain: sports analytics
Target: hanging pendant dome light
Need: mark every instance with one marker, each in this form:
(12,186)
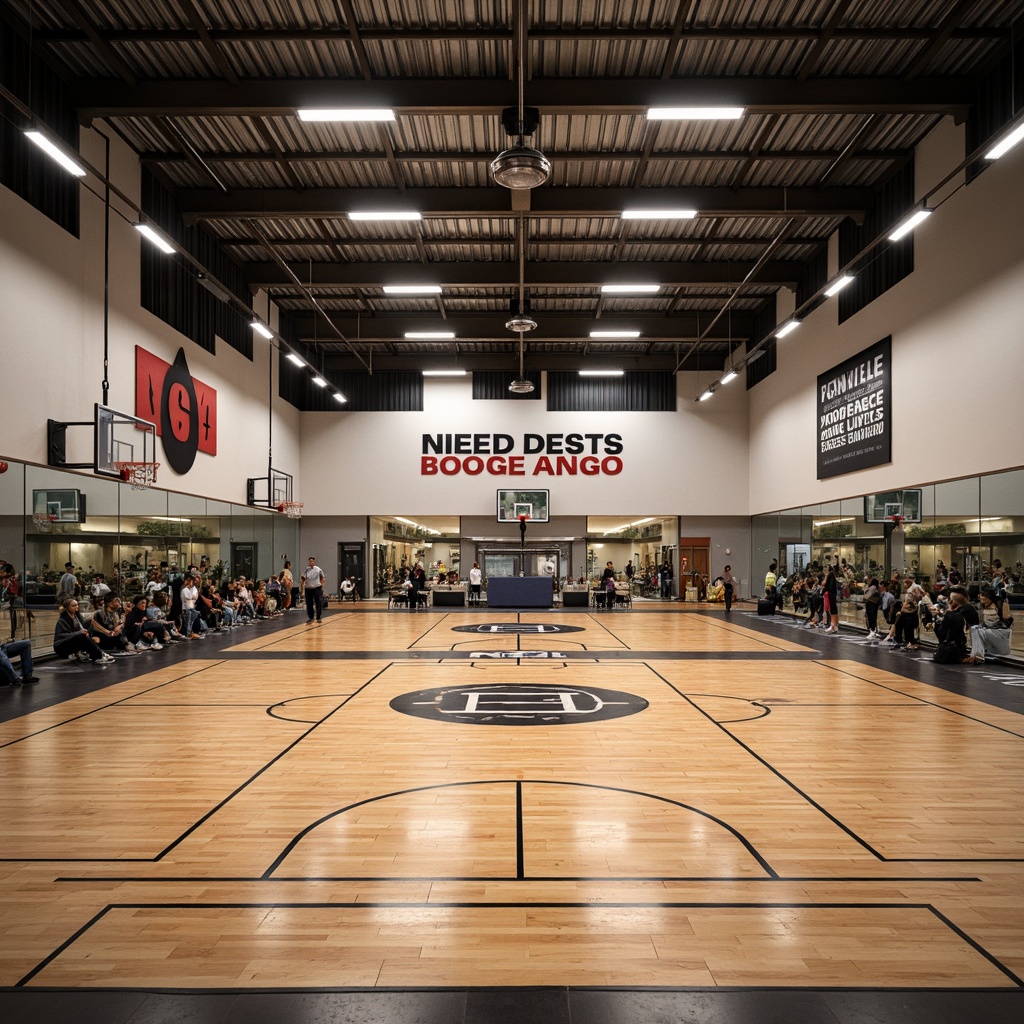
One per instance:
(519,316)
(521,166)
(521,385)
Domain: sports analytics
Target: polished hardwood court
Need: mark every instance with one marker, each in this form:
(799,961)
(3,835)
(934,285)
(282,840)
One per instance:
(667,797)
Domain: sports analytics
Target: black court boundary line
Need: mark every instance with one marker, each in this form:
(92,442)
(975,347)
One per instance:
(496,905)
(453,653)
(821,809)
(441,879)
(207,814)
(302,833)
(930,703)
(214,663)
(903,667)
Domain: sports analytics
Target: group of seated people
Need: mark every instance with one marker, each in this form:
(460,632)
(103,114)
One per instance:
(948,612)
(897,609)
(166,613)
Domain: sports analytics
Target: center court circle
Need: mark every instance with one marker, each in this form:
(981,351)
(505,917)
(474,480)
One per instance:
(518,628)
(518,704)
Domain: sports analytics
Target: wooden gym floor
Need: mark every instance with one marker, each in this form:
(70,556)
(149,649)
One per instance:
(657,805)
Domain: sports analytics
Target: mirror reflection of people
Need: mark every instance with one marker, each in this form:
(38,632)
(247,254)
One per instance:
(71,639)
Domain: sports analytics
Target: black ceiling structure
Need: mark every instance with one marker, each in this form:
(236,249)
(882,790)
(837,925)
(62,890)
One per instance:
(835,95)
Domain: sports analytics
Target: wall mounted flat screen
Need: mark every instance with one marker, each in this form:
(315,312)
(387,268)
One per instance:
(880,508)
(63,506)
(513,504)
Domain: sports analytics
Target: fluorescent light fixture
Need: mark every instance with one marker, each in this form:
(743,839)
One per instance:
(294,357)
(707,394)
(339,397)
(909,224)
(601,373)
(630,289)
(214,287)
(412,289)
(787,328)
(694,113)
(615,334)
(1005,144)
(625,526)
(658,214)
(147,232)
(444,373)
(345,114)
(261,329)
(319,381)
(839,284)
(55,153)
(408,522)
(729,377)
(384,215)
(430,335)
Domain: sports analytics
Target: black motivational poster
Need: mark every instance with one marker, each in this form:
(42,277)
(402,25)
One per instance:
(854,417)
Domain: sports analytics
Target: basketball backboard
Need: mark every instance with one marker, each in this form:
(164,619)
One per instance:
(272,491)
(122,437)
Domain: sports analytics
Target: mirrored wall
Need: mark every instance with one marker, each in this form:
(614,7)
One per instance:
(104,528)
(973,527)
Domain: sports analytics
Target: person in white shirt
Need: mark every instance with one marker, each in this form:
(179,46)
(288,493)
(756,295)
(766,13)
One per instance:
(246,609)
(476,577)
(191,622)
(98,592)
(313,584)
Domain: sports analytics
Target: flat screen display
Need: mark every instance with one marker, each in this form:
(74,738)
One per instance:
(513,504)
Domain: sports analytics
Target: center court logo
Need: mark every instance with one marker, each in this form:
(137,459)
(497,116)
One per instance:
(518,628)
(518,704)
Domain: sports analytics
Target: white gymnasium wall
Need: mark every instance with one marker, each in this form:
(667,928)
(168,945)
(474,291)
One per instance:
(51,292)
(690,462)
(957,326)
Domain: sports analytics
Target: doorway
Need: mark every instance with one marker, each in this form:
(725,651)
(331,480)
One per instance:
(243,560)
(352,562)
(694,563)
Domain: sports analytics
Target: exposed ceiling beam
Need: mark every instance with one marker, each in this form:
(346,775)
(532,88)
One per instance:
(663,362)
(483,96)
(261,203)
(491,327)
(106,51)
(715,237)
(576,156)
(330,33)
(209,45)
(501,275)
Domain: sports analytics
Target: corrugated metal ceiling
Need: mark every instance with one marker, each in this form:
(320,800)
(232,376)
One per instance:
(817,126)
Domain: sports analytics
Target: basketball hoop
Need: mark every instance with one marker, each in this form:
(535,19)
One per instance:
(292,509)
(140,475)
(43,521)
(523,518)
